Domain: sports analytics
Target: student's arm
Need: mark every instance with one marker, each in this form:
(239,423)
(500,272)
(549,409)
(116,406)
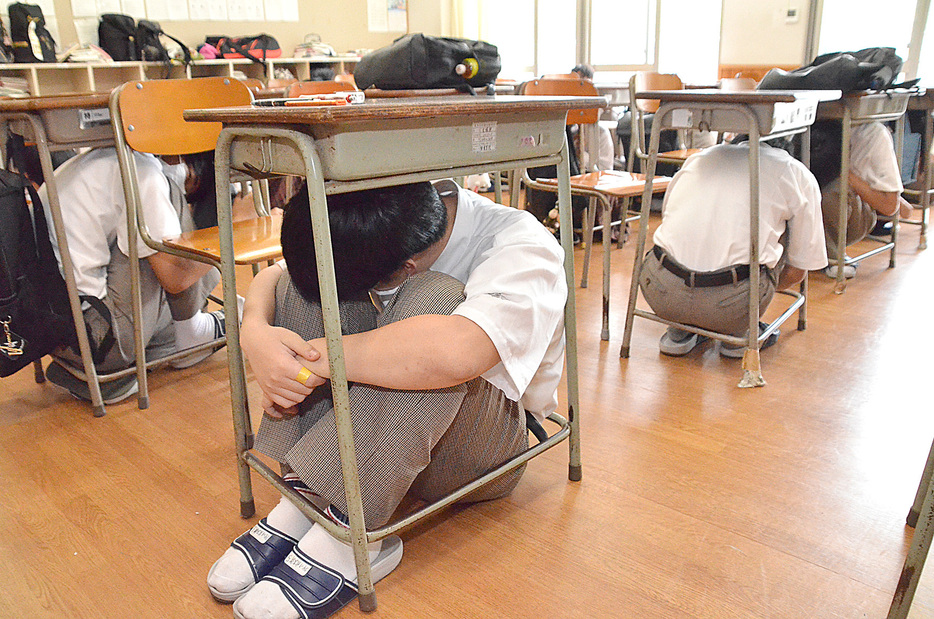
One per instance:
(790,276)
(883,202)
(276,354)
(421,352)
(176,274)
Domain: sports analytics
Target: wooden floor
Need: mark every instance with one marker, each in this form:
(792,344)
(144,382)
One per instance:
(699,499)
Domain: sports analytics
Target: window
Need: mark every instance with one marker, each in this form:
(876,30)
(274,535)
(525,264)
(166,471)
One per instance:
(622,34)
(849,25)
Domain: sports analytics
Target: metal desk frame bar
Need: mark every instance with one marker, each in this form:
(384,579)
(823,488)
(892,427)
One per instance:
(848,121)
(285,147)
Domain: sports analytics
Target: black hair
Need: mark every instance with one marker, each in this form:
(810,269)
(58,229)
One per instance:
(203,198)
(584,70)
(826,150)
(373,233)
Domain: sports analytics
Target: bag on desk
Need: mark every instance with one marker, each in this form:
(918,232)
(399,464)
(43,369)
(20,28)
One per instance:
(31,40)
(35,318)
(116,35)
(417,61)
(873,68)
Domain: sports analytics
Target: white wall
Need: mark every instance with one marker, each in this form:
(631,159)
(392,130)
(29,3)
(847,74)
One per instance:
(756,32)
(341,23)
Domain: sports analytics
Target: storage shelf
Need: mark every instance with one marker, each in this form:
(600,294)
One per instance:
(73,77)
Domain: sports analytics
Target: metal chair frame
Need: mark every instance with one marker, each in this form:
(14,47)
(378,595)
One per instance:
(132,133)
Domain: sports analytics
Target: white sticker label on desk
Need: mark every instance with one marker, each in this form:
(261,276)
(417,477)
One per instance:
(93,118)
(681,118)
(484,137)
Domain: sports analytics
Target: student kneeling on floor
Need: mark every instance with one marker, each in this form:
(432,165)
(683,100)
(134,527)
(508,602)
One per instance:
(173,290)
(698,272)
(453,313)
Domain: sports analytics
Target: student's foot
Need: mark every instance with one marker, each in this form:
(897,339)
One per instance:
(112,392)
(255,553)
(881,229)
(849,271)
(734,351)
(206,327)
(319,576)
(677,343)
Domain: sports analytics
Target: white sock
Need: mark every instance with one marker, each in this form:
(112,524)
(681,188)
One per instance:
(199,329)
(232,572)
(266,601)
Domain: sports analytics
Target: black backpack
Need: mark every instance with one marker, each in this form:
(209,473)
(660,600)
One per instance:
(151,48)
(417,61)
(873,68)
(31,40)
(116,35)
(35,316)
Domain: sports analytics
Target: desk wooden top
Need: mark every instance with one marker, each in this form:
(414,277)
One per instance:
(54,102)
(391,109)
(762,97)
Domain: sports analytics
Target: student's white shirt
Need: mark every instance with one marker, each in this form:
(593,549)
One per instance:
(90,191)
(705,213)
(872,157)
(513,271)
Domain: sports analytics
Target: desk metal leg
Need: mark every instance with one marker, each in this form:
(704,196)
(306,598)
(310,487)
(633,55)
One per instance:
(920,545)
(238,394)
(752,369)
(840,286)
(607,241)
(646,208)
(912,519)
(84,345)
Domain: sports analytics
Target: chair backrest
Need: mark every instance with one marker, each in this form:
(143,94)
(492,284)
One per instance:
(150,112)
(346,78)
(734,84)
(564,86)
(649,80)
(318,88)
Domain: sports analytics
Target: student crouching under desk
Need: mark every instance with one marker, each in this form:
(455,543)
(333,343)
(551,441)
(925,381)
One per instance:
(698,271)
(453,312)
(174,290)
(875,182)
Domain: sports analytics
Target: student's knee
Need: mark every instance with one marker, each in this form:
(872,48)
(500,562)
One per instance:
(425,293)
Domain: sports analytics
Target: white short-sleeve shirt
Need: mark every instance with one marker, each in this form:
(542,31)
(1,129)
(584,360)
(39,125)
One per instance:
(872,157)
(705,213)
(513,271)
(90,191)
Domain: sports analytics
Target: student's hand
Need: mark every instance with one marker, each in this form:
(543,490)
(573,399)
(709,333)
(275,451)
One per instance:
(277,355)
(275,411)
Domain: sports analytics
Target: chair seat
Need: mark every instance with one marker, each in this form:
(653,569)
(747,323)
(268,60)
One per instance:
(679,155)
(613,183)
(255,240)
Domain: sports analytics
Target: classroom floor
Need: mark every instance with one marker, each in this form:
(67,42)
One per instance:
(699,499)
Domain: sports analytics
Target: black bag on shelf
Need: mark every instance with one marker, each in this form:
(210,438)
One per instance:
(417,61)
(151,47)
(31,40)
(35,317)
(117,35)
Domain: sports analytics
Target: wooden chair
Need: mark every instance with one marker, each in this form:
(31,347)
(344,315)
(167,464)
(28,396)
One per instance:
(734,84)
(640,82)
(346,78)
(317,88)
(147,118)
(600,185)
